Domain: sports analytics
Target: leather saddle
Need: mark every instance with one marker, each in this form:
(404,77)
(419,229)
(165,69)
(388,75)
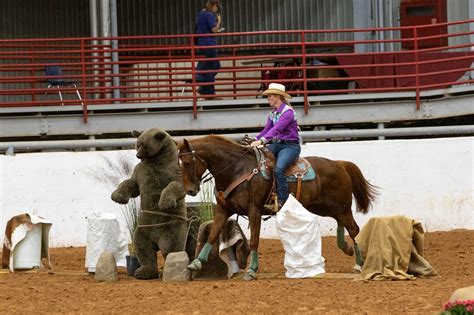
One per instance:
(300,169)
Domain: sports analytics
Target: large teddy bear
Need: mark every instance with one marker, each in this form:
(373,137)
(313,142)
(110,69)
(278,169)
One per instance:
(162,221)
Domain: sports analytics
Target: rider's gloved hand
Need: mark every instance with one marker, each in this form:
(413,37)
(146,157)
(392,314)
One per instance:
(257,143)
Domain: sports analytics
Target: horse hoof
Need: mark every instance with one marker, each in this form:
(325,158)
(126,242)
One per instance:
(357,268)
(250,275)
(195,265)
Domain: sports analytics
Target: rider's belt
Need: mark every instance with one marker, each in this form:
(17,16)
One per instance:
(285,141)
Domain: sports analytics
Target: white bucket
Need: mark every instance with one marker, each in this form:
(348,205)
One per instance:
(27,253)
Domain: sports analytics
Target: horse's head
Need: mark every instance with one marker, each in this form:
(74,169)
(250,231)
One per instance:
(192,167)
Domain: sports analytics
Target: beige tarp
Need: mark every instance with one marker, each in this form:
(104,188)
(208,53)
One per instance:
(392,248)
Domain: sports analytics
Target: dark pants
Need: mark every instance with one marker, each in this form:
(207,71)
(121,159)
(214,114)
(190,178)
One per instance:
(210,76)
(285,154)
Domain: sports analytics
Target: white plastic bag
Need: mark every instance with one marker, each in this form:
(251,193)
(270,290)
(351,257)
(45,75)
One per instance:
(104,234)
(299,233)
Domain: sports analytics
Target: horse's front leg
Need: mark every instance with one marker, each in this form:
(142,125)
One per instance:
(255,220)
(220,219)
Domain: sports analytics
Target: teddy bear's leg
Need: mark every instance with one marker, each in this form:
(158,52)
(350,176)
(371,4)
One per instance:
(173,239)
(145,250)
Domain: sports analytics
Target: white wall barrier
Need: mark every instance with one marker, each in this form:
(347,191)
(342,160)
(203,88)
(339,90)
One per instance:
(430,180)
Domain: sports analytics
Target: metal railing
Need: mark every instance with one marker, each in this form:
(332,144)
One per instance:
(147,69)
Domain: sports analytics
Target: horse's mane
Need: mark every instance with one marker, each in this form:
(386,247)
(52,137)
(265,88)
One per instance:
(226,150)
(223,141)
(225,145)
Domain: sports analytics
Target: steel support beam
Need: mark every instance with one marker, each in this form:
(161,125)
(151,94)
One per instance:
(307,136)
(233,118)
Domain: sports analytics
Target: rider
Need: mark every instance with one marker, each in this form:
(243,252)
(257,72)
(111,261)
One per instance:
(281,131)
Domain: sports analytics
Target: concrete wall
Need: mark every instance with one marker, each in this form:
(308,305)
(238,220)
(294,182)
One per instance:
(428,180)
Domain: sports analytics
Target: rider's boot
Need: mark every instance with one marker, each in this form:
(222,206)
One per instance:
(274,207)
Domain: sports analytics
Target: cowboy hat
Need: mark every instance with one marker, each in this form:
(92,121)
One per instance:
(278,89)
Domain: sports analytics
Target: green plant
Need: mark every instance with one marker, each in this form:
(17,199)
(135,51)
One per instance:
(459,308)
(206,205)
(114,171)
(130,214)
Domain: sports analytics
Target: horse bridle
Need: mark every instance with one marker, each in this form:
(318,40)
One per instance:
(195,179)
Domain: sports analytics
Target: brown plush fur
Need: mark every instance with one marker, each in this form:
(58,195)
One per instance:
(157,180)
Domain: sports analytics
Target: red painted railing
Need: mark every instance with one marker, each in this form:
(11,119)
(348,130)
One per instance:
(163,68)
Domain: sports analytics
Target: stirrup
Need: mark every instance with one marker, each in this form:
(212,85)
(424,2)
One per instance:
(274,207)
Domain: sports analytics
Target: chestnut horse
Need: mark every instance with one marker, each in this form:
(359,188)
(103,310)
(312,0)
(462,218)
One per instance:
(329,194)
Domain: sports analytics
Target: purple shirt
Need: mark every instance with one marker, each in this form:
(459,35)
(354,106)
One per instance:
(281,125)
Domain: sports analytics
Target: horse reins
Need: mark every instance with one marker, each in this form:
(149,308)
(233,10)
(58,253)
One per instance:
(222,195)
(208,176)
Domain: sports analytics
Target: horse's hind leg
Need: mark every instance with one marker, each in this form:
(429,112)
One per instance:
(350,224)
(341,242)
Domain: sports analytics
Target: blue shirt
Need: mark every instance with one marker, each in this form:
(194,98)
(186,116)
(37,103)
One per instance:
(281,124)
(206,21)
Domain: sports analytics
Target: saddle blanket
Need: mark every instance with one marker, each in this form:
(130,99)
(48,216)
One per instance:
(310,174)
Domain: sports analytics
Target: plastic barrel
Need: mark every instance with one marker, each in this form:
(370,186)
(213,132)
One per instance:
(27,254)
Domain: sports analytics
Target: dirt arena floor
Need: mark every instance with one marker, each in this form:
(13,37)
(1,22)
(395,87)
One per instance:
(71,290)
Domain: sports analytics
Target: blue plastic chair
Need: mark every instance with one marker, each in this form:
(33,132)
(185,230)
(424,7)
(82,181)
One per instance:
(59,81)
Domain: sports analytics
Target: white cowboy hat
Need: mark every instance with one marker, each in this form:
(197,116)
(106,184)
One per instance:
(278,89)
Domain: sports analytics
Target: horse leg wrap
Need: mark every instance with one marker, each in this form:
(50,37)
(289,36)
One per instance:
(341,242)
(359,259)
(204,253)
(251,273)
(254,260)
(196,264)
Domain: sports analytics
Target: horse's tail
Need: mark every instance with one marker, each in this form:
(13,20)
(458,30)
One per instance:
(364,192)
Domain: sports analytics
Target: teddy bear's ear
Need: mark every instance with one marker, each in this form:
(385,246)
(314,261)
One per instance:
(159,135)
(136,134)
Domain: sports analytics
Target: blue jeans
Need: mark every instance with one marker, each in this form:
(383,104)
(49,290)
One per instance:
(210,76)
(285,154)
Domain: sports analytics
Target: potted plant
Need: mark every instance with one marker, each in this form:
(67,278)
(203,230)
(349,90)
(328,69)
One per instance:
(130,213)
(114,172)
(199,212)
(206,206)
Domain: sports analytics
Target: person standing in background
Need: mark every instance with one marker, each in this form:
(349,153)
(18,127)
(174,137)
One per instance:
(208,22)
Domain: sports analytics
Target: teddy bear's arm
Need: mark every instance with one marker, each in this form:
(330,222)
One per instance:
(126,190)
(171,194)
